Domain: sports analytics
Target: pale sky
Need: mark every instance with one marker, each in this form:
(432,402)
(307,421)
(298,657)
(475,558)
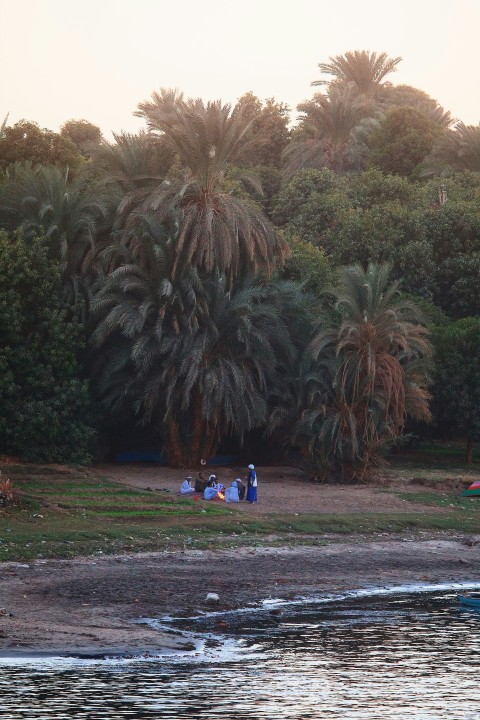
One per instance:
(97,59)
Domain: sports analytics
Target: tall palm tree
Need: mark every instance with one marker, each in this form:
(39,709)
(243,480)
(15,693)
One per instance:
(366,70)
(133,168)
(334,131)
(197,375)
(218,233)
(369,371)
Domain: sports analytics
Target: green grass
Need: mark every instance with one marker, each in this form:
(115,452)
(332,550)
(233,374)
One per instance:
(76,512)
(434,465)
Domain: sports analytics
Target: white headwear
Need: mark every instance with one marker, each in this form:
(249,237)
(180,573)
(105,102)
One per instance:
(251,467)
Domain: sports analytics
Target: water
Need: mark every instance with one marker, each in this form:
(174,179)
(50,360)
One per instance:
(358,657)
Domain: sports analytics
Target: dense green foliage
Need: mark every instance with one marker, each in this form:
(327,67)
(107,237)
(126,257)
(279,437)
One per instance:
(44,405)
(239,278)
(433,248)
(457,380)
(26,142)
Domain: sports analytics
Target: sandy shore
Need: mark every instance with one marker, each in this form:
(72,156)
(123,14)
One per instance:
(90,605)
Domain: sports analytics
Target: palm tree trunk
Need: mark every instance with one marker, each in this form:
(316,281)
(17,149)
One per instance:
(196,450)
(469,453)
(211,439)
(175,448)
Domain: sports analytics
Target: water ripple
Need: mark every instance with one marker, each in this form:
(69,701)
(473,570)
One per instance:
(384,657)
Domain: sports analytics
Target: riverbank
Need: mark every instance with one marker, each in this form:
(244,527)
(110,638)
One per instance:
(91,605)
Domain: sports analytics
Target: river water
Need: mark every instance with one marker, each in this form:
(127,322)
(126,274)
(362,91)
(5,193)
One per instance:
(392,653)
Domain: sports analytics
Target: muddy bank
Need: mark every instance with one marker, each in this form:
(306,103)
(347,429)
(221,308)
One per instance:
(90,605)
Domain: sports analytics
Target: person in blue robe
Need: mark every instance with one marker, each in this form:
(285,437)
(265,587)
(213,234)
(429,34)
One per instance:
(251,485)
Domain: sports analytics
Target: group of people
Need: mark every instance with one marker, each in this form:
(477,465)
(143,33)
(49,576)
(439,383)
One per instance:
(213,489)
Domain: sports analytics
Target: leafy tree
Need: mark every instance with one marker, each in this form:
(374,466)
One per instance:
(456,390)
(219,233)
(402,141)
(308,265)
(333,132)
(365,70)
(268,133)
(26,142)
(454,233)
(45,413)
(368,372)
(84,135)
(409,97)
(432,248)
(314,190)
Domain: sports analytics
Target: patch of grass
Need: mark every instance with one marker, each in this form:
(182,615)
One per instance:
(439,457)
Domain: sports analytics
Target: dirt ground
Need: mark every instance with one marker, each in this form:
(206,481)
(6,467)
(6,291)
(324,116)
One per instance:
(280,489)
(91,605)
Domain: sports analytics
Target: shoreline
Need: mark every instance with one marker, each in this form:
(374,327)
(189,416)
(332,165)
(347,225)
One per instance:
(93,606)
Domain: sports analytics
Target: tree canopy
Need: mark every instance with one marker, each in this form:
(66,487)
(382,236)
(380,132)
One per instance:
(237,275)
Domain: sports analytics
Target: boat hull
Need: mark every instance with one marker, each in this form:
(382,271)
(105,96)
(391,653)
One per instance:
(473,602)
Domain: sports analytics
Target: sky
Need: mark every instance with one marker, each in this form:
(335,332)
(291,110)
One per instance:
(97,59)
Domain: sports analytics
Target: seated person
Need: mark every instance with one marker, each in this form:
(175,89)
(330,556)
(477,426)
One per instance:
(231,493)
(186,488)
(210,492)
(241,488)
(216,483)
(200,483)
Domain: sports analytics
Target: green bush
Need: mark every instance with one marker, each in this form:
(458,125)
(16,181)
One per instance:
(44,405)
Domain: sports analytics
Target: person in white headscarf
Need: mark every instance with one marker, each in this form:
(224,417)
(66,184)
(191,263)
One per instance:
(216,483)
(231,493)
(186,488)
(211,491)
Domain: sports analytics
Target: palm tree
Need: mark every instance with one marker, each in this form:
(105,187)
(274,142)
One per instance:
(366,70)
(3,125)
(133,169)
(135,165)
(458,148)
(333,133)
(218,232)
(44,200)
(194,359)
(369,371)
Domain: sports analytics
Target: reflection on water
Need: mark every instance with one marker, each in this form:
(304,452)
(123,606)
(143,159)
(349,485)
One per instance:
(370,658)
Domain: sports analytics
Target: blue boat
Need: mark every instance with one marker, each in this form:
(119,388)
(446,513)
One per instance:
(471,601)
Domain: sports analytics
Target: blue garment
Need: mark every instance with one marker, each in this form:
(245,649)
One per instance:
(231,493)
(210,493)
(252,486)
